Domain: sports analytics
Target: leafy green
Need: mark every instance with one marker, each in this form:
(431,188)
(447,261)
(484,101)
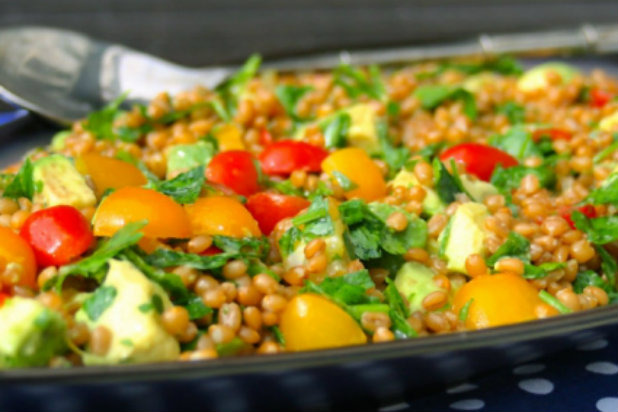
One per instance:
(509,179)
(591,278)
(184,188)
(278,335)
(289,240)
(463,313)
(609,265)
(600,230)
(542,270)
(350,288)
(164,258)
(231,348)
(517,142)
(432,96)
(22,184)
(196,307)
(599,157)
(398,312)
(515,246)
(101,123)
(356,83)
(132,134)
(156,303)
(343,181)
(552,301)
(99,301)
(231,90)
(430,151)
(336,129)
(289,96)
(607,193)
(516,113)
(316,221)
(395,157)
(445,184)
(256,247)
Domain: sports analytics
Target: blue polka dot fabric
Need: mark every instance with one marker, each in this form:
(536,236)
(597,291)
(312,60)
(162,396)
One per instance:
(581,379)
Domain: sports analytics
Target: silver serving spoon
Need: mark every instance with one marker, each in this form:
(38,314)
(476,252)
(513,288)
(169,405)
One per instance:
(63,75)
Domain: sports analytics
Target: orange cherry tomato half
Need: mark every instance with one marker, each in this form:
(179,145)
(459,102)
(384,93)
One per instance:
(14,249)
(221,215)
(109,173)
(58,235)
(552,133)
(599,98)
(478,159)
(270,208)
(285,156)
(235,169)
(357,166)
(166,218)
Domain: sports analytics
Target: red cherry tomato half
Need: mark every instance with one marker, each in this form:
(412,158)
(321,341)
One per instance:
(265,137)
(235,169)
(285,156)
(553,134)
(588,210)
(269,208)
(478,159)
(599,98)
(57,235)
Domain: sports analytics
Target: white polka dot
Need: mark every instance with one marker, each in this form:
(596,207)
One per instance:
(604,368)
(537,386)
(396,407)
(528,369)
(464,387)
(468,405)
(594,345)
(607,404)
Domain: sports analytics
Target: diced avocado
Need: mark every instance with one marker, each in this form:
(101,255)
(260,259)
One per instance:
(474,83)
(465,235)
(415,281)
(183,157)
(30,333)
(536,78)
(133,319)
(58,140)
(58,182)
(609,123)
(476,188)
(431,203)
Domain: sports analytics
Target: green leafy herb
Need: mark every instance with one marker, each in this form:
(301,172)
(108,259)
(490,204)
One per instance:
(542,270)
(316,221)
(517,142)
(599,230)
(101,123)
(22,184)
(609,265)
(156,303)
(509,179)
(356,83)
(343,181)
(591,278)
(552,301)
(515,246)
(278,335)
(99,301)
(231,348)
(255,247)
(231,90)
(398,312)
(349,289)
(164,258)
(599,157)
(132,134)
(289,96)
(435,95)
(516,113)
(445,184)
(430,151)
(395,157)
(463,313)
(336,129)
(357,310)
(289,240)
(607,193)
(184,188)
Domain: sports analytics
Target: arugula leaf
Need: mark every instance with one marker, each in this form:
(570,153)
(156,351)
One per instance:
(509,179)
(517,142)
(395,157)
(231,90)
(356,83)
(92,266)
(607,193)
(316,221)
(99,301)
(101,123)
(515,246)
(599,230)
(289,96)
(22,184)
(398,312)
(432,96)
(516,113)
(184,188)
(336,130)
(445,184)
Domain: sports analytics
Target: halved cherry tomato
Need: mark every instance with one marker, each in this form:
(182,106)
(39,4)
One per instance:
(285,156)
(221,215)
(479,159)
(269,208)
(3,297)
(235,169)
(229,137)
(266,137)
(14,249)
(357,166)
(553,133)
(58,235)
(599,98)
(107,172)
(166,218)
(588,210)
(500,299)
(313,322)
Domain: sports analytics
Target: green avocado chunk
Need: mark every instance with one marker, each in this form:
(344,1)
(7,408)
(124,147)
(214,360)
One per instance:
(415,281)
(536,78)
(184,157)
(57,182)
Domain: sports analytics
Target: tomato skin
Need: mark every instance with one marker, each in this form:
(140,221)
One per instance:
(3,297)
(14,248)
(356,165)
(588,210)
(285,156)
(234,169)
(109,173)
(211,251)
(599,98)
(266,137)
(270,208)
(57,235)
(479,159)
(553,133)
(221,215)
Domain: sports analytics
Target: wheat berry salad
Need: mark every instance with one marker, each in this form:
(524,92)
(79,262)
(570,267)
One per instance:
(289,212)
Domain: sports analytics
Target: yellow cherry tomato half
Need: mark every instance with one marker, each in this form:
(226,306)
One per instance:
(312,322)
(500,299)
(14,249)
(109,173)
(355,165)
(221,215)
(166,218)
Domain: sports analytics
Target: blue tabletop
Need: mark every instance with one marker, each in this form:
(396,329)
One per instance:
(582,379)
